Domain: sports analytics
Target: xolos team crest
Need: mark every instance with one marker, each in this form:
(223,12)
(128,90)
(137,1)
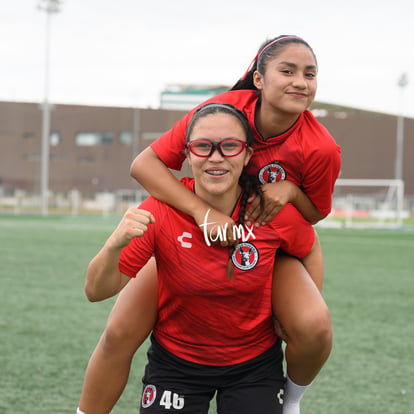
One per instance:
(272,173)
(245,256)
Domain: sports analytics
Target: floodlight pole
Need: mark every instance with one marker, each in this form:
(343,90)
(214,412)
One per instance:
(402,83)
(48,6)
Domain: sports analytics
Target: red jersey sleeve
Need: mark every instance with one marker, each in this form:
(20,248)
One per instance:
(170,145)
(296,234)
(140,249)
(322,163)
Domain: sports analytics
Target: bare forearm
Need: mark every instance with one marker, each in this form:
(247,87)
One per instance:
(152,173)
(305,206)
(103,278)
(163,185)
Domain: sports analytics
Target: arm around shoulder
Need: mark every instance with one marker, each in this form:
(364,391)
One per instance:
(150,171)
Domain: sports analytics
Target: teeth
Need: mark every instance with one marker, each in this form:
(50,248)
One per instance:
(216,172)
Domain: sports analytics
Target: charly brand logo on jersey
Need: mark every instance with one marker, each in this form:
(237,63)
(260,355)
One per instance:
(272,173)
(183,242)
(245,256)
(239,232)
(148,396)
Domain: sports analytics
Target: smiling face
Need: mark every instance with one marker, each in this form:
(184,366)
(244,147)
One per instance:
(216,177)
(289,82)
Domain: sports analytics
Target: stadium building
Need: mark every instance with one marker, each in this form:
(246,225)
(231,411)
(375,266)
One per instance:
(92,147)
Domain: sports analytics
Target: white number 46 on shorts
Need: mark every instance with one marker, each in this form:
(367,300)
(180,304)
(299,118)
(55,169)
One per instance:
(168,399)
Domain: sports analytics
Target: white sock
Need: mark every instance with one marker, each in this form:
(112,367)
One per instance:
(292,397)
(79,411)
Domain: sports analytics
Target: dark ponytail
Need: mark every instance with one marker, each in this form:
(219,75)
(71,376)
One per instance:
(246,82)
(249,183)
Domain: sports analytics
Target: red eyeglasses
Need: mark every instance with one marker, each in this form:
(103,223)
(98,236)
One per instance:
(227,148)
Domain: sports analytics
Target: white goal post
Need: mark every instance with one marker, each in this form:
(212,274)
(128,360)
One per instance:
(367,203)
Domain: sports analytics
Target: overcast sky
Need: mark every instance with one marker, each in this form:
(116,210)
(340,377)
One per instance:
(124,52)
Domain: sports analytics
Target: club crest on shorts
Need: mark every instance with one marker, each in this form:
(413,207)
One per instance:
(272,173)
(148,396)
(245,256)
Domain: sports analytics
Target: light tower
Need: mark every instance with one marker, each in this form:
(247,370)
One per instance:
(402,83)
(50,7)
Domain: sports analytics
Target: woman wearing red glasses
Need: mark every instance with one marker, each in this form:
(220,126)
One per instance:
(297,161)
(214,332)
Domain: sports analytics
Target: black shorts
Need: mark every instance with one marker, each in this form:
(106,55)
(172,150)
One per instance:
(173,385)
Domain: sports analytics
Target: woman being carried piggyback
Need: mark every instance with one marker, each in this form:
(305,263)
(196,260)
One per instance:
(296,160)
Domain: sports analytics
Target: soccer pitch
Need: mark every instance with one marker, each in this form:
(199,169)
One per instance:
(49,329)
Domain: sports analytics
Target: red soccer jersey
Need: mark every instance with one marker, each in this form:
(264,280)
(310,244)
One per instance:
(305,154)
(203,316)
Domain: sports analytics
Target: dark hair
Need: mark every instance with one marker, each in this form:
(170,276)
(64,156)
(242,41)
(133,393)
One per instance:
(216,108)
(248,183)
(268,50)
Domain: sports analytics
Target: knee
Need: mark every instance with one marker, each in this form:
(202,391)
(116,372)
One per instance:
(118,338)
(321,330)
(314,330)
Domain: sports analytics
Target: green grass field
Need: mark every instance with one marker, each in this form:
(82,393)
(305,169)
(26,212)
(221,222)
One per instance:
(49,329)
